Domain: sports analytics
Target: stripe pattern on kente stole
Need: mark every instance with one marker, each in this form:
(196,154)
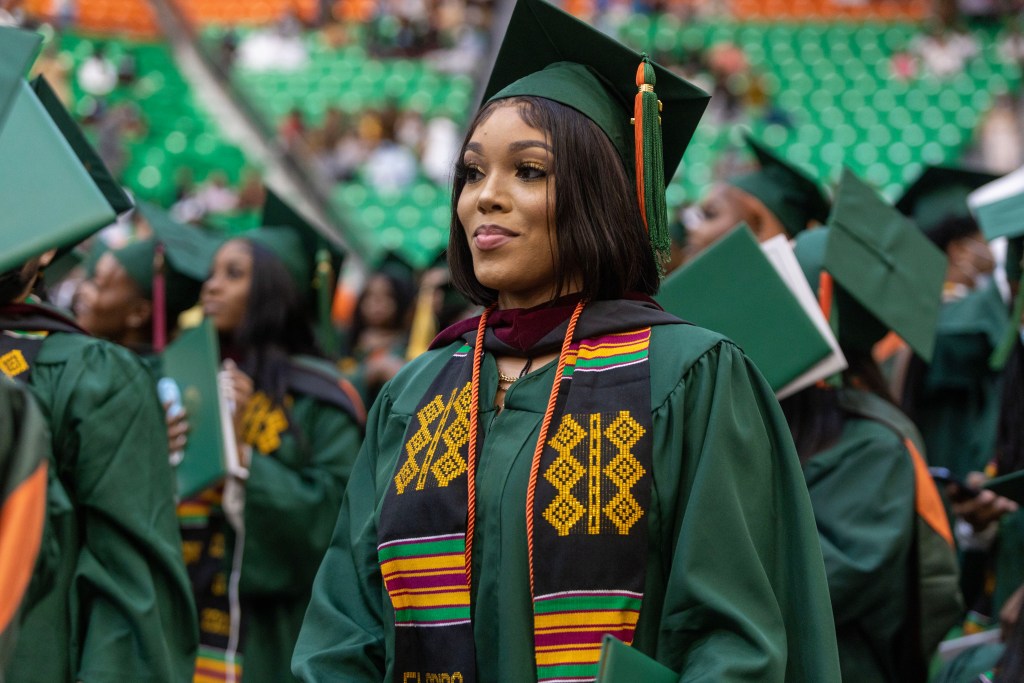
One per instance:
(608,353)
(426,579)
(569,627)
(211,666)
(593,494)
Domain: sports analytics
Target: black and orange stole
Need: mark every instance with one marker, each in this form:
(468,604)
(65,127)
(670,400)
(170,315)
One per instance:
(593,488)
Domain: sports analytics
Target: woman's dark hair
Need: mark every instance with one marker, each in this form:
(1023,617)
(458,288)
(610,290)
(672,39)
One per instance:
(815,416)
(599,233)
(403,291)
(1009,435)
(270,333)
(952,229)
(14,281)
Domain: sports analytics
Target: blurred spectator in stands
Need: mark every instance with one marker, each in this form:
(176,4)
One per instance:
(945,52)
(292,128)
(279,49)
(227,47)
(731,72)
(441,142)
(11,13)
(55,67)
(184,183)
(1000,139)
(97,75)
(127,69)
(64,14)
(251,193)
(114,127)
(215,195)
(390,167)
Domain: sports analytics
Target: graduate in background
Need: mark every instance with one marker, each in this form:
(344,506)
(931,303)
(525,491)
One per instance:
(777,198)
(887,544)
(954,398)
(575,461)
(115,603)
(253,545)
(24,449)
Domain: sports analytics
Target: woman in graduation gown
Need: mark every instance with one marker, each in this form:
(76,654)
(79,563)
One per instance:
(253,547)
(888,548)
(574,462)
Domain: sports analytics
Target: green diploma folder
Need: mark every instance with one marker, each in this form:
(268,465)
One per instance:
(622,664)
(192,361)
(733,289)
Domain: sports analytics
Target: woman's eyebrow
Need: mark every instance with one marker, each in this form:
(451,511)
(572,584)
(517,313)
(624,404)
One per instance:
(526,144)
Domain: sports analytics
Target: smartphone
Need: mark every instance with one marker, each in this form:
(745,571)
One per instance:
(961,491)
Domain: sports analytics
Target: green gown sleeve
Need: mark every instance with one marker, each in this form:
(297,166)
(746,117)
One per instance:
(131,610)
(745,592)
(343,635)
(292,499)
(864,510)
(24,443)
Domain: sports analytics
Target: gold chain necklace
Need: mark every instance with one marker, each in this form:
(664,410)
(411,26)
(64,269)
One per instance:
(506,379)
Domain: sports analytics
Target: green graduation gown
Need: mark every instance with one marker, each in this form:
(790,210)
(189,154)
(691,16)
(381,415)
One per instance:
(120,607)
(24,445)
(297,476)
(862,492)
(956,406)
(735,588)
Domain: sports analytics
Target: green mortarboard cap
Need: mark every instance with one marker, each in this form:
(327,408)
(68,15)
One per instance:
(763,316)
(18,50)
(940,192)
(550,54)
(111,189)
(189,250)
(312,260)
(47,198)
(785,190)
(969,329)
(999,206)
(293,240)
(886,265)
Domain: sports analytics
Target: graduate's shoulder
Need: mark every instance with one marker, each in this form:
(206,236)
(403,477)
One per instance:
(320,380)
(676,349)
(407,387)
(91,356)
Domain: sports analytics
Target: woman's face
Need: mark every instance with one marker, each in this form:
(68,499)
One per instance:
(723,209)
(507,209)
(111,305)
(225,293)
(378,306)
(970,258)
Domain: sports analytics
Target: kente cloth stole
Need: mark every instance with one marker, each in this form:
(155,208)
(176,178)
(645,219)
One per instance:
(589,532)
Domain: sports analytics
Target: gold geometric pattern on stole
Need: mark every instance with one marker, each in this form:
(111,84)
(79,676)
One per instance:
(433,419)
(455,435)
(263,423)
(13,363)
(594,478)
(565,511)
(411,469)
(624,471)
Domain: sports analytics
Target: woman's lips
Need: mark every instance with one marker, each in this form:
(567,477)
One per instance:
(489,237)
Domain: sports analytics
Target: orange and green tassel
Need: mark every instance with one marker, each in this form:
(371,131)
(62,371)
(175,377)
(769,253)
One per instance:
(650,164)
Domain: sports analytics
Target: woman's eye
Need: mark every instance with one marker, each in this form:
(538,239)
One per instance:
(234,272)
(531,171)
(473,173)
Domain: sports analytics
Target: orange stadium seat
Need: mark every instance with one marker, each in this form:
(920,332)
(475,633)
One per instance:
(205,12)
(354,10)
(133,17)
(830,9)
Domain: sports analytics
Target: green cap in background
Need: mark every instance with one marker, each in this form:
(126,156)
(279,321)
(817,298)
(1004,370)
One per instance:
(888,276)
(940,192)
(47,198)
(111,189)
(999,206)
(312,260)
(551,54)
(762,316)
(784,189)
(18,50)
